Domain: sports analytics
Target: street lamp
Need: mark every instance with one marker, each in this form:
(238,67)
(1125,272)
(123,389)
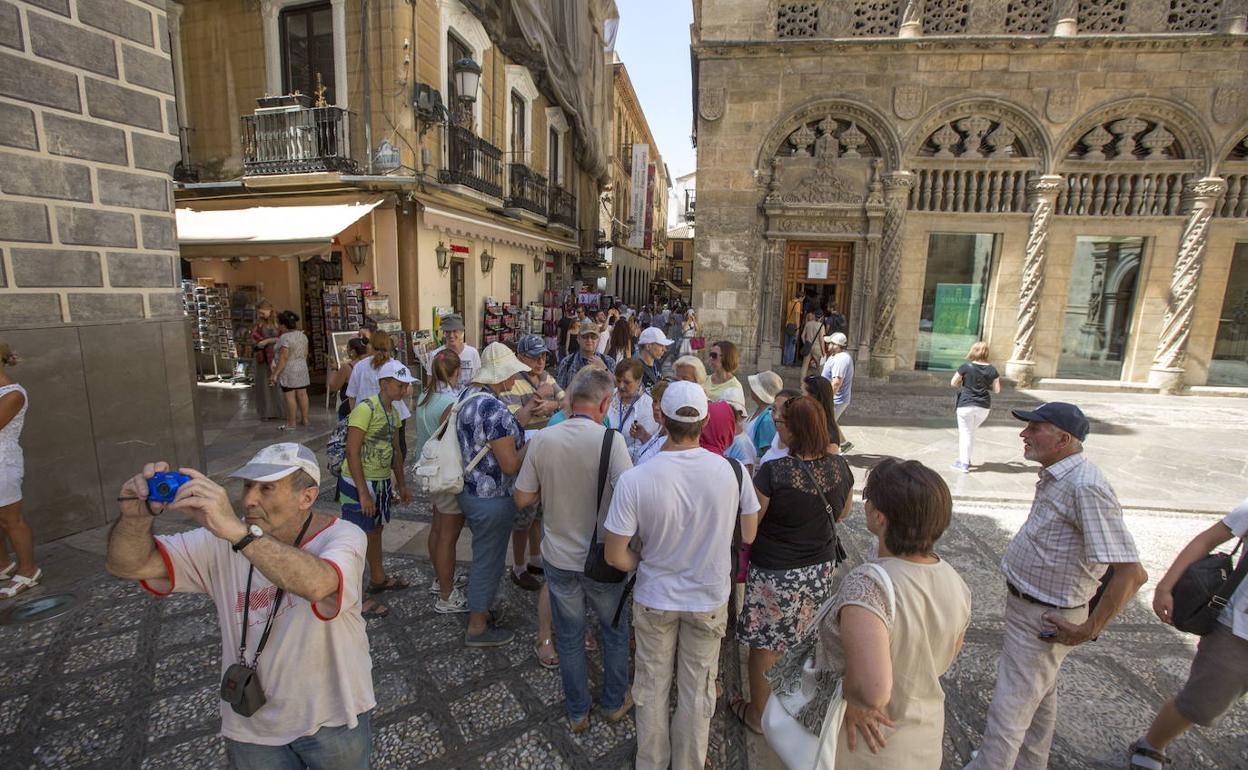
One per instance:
(467,74)
(357,252)
(444,256)
(487,262)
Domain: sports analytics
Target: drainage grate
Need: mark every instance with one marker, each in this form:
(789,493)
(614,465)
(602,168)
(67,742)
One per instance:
(36,610)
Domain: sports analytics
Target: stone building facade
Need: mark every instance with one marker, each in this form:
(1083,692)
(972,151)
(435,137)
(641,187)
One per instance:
(1066,179)
(88,290)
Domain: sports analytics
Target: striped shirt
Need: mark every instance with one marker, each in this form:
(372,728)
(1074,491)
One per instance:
(1075,528)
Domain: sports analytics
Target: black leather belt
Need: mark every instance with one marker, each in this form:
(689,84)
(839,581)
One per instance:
(1033,600)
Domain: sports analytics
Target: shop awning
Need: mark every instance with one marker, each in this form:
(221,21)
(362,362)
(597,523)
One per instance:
(670,286)
(281,231)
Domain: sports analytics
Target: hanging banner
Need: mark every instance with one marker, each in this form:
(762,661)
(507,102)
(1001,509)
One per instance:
(637,195)
(651,174)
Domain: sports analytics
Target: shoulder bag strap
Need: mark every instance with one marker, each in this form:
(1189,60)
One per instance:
(1223,595)
(836,539)
(483,451)
(604,467)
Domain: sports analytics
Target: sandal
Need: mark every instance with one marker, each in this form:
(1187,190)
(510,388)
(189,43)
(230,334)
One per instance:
(1157,758)
(738,708)
(550,659)
(377,610)
(20,584)
(392,583)
(8,571)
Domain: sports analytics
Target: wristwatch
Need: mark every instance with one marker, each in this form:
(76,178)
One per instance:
(253,533)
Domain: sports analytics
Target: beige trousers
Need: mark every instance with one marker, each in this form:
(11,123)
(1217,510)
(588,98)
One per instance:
(690,640)
(1023,714)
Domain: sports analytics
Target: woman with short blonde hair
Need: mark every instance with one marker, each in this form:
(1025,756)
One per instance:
(976,381)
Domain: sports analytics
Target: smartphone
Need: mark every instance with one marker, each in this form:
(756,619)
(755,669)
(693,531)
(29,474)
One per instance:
(1046,634)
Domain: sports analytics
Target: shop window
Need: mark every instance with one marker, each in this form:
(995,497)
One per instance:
(517,284)
(955,288)
(519,143)
(1099,305)
(458,287)
(1230,349)
(307,40)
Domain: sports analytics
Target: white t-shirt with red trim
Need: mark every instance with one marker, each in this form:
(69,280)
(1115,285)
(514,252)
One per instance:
(315,670)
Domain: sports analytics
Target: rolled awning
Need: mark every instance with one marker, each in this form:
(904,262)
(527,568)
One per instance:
(282,231)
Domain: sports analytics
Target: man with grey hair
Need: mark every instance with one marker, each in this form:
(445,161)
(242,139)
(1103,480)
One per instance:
(297,678)
(566,466)
(1073,536)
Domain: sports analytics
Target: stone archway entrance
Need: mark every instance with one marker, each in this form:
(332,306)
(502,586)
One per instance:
(821,272)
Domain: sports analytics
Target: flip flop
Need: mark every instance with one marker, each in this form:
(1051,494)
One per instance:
(378,610)
(738,708)
(20,584)
(393,583)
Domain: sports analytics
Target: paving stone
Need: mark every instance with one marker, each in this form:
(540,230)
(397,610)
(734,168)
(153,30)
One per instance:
(410,743)
(106,690)
(602,737)
(38,83)
(206,751)
(530,751)
(486,710)
(192,629)
(18,673)
(17,127)
(96,742)
(101,652)
(455,668)
(73,45)
(11,713)
(89,140)
(200,664)
(196,710)
(545,684)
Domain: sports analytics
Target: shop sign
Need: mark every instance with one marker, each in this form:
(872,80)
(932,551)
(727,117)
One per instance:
(457,249)
(817,265)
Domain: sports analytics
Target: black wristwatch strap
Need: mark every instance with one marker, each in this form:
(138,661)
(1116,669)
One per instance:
(241,544)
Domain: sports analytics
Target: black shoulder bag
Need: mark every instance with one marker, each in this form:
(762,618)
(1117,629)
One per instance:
(836,539)
(596,566)
(1205,588)
(240,686)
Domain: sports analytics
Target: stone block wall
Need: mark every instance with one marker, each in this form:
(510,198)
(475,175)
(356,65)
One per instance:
(90,272)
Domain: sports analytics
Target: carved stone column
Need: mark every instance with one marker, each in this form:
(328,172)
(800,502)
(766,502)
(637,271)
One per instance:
(1235,17)
(911,19)
(883,334)
(767,354)
(1042,195)
(1200,198)
(1067,24)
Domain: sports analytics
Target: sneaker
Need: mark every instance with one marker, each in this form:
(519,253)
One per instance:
(580,725)
(622,711)
(461,581)
(1144,758)
(492,636)
(961,467)
(452,604)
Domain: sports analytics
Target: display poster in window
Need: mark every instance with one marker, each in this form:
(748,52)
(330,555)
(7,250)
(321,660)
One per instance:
(817,265)
(955,323)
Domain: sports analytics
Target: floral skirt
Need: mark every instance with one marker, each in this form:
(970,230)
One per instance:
(781,603)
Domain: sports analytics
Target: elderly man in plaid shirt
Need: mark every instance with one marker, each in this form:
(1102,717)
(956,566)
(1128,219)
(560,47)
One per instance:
(1053,567)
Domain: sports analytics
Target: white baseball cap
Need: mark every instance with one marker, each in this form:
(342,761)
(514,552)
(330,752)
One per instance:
(277,461)
(680,394)
(653,334)
(837,338)
(396,370)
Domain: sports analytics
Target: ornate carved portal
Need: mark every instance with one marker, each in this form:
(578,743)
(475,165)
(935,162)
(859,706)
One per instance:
(1043,192)
(832,199)
(1202,197)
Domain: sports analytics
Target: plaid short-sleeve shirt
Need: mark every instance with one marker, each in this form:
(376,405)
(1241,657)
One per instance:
(1075,528)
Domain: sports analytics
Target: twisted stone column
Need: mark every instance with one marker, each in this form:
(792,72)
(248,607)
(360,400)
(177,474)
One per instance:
(911,19)
(1067,24)
(1200,198)
(769,334)
(1042,195)
(883,334)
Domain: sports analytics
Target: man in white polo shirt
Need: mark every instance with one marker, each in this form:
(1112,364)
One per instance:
(296,674)
(684,505)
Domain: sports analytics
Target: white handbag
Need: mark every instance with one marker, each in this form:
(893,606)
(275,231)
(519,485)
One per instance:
(798,747)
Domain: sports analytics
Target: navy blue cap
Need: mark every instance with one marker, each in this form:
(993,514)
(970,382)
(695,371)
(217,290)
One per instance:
(531,345)
(1068,417)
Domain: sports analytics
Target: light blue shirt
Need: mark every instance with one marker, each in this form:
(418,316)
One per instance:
(840,365)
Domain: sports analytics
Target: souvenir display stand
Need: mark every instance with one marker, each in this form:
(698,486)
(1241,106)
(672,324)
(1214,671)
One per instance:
(212,332)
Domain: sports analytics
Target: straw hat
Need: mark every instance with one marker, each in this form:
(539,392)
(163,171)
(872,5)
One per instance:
(497,364)
(765,386)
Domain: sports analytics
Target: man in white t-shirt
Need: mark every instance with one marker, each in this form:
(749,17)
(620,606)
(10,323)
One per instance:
(683,504)
(1219,675)
(282,571)
(453,337)
(560,470)
(839,370)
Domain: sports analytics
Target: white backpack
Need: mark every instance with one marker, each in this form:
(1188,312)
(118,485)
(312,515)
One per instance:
(440,469)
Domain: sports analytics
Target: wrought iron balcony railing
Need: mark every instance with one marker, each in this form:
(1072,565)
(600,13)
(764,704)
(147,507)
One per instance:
(472,162)
(297,141)
(527,189)
(691,198)
(562,207)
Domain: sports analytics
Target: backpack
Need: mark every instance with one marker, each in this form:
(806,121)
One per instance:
(440,469)
(336,447)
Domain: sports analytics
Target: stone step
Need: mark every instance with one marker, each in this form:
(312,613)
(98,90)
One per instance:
(1093,386)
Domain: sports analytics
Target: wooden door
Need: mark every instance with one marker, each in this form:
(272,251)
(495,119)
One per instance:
(839,275)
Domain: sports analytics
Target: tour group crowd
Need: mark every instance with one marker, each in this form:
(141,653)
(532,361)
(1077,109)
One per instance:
(637,479)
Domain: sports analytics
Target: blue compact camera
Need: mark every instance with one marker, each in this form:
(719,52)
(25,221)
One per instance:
(163,487)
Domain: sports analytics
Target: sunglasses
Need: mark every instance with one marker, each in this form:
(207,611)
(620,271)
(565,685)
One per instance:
(712,354)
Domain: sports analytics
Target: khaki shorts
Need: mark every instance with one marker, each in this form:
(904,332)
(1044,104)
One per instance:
(447,504)
(1218,679)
